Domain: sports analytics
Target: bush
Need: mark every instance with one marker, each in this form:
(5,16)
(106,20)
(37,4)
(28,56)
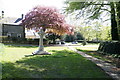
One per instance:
(110,47)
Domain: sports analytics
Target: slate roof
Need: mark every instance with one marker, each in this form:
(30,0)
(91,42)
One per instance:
(19,19)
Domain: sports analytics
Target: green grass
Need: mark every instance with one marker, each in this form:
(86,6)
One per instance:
(89,47)
(63,63)
(94,54)
(1,52)
(13,53)
(91,50)
(1,48)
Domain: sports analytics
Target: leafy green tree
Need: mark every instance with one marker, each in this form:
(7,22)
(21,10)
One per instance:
(93,11)
(69,38)
(75,37)
(95,32)
(105,33)
(52,37)
(79,36)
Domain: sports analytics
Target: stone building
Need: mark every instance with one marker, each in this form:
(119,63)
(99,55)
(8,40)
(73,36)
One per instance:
(0,32)
(13,30)
(10,28)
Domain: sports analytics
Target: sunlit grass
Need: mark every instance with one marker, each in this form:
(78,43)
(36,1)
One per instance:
(13,53)
(1,50)
(91,50)
(89,47)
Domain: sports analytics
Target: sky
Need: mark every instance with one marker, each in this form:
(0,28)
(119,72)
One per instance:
(14,8)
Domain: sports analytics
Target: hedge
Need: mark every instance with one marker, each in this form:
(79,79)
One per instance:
(110,47)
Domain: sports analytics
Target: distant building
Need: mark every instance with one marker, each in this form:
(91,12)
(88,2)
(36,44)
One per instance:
(13,31)
(9,27)
(0,32)
(31,34)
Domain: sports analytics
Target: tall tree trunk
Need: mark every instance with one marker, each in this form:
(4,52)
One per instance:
(54,38)
(118,17)
(114,29)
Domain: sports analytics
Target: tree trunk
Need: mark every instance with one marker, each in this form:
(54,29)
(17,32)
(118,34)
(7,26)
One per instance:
(54,38)
(114,29)
(118,17)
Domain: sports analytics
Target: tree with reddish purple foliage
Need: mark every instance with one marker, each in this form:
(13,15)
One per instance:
(46,19)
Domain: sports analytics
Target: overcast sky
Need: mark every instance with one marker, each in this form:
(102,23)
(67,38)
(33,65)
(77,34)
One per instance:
(14,8)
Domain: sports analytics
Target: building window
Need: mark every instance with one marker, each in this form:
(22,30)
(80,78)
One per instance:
(19,35)
(8,34)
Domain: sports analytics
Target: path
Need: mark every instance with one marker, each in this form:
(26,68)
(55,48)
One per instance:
(107,67)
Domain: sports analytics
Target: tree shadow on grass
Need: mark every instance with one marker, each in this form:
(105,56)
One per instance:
(61,64)
(11,70)
(22,45)
(25,45)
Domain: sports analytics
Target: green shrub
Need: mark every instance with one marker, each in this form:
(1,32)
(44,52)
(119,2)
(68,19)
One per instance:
(110,47)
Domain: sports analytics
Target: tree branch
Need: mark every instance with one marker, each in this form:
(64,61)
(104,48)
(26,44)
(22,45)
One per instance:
(97,4)
(106,10)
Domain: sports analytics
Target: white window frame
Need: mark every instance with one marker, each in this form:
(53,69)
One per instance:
(19,35)
(8,34)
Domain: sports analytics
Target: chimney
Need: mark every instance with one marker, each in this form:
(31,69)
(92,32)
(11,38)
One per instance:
(22,16)
(2,14)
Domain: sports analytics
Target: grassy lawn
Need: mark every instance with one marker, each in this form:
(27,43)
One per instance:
(63,63)
(1,49)
(89,47)
(91,50)
(95,54)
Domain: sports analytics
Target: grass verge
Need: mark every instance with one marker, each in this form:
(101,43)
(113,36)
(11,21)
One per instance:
(63,63)
(93,52)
